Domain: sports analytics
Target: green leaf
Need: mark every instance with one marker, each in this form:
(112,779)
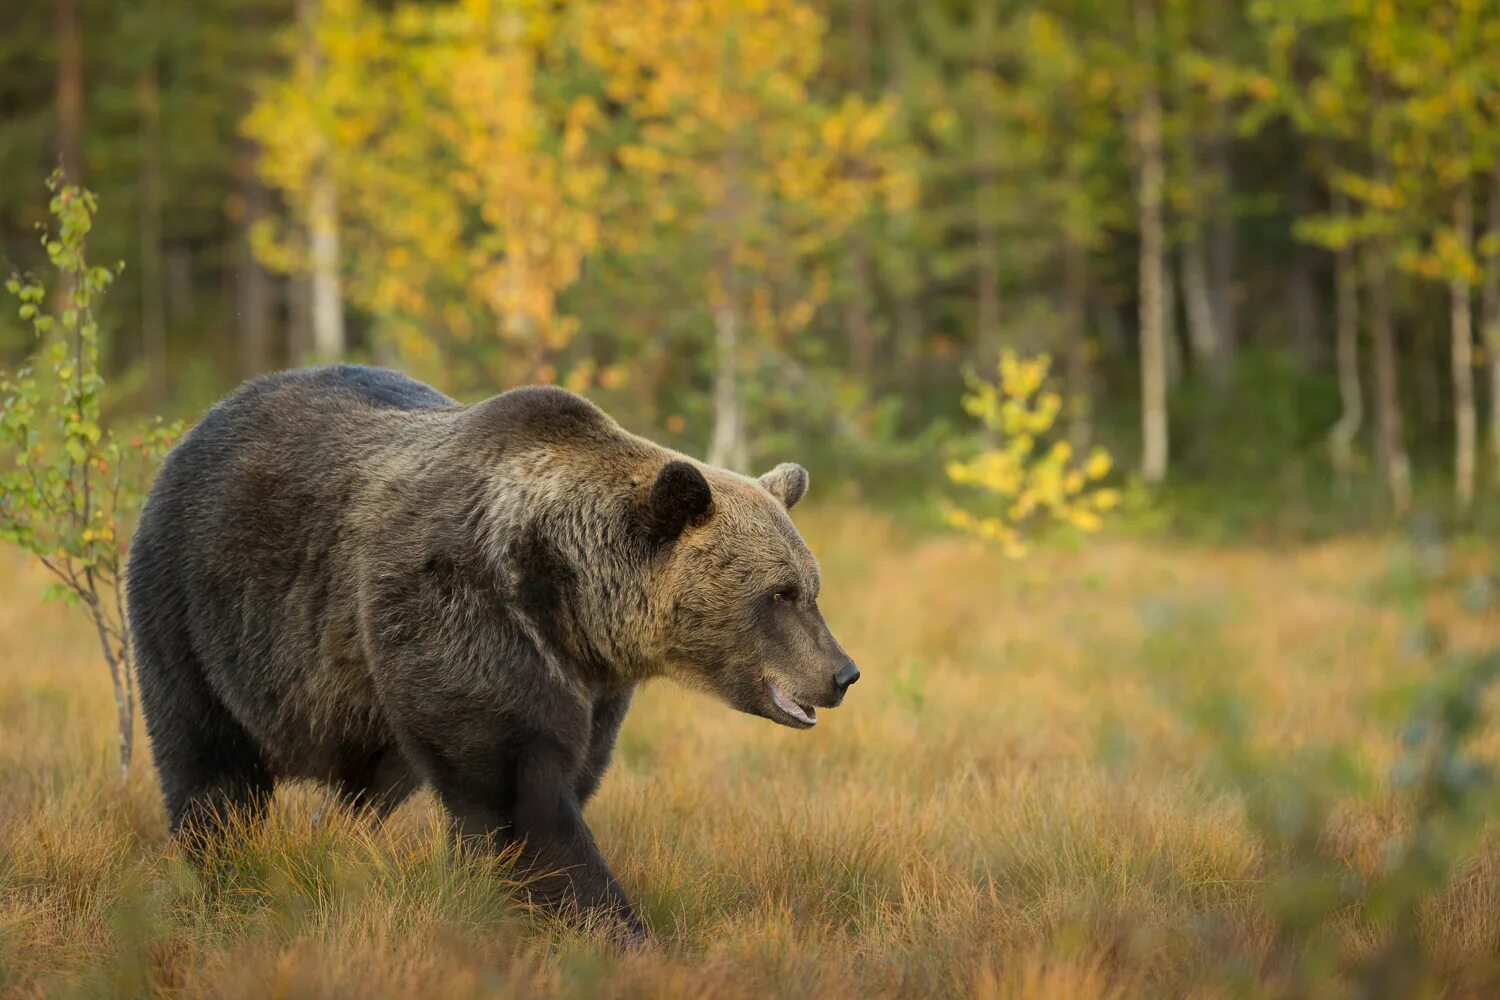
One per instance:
(60,592)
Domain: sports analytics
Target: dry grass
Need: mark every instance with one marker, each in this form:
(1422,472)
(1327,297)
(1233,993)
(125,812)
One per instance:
(1013,803)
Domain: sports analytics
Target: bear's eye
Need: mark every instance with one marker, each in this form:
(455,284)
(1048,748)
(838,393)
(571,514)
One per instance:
(784,595)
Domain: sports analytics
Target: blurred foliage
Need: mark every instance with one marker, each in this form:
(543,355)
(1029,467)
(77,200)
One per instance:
(463,274)
(762,225)
(1442,792)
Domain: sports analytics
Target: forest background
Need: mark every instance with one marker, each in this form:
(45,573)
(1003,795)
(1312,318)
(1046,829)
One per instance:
(1261,240)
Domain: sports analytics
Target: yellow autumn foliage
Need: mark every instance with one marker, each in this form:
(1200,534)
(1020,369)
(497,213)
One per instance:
(737,154)
(475,170)
(1022,480)
(459,180)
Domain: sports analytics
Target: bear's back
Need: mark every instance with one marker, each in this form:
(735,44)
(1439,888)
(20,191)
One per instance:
(379,388)
(243,547)
(298,486)
(282,452)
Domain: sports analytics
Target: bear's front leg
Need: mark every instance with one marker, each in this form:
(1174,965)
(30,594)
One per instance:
(523,794)
(481,717)
(605,721)
(557,845)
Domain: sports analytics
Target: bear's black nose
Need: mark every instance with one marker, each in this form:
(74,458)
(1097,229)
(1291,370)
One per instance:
(847,675)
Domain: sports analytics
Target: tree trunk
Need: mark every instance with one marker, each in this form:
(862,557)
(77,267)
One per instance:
(69,92)
(153,290)
(1224,247)
(182,309)
(322,216)
(1391,448)
(121,677)
(69,116)
(987,296)
(859,329)
(987,291)
(1304,312)
(1204,335)
(1351,396)
(1170,335)
(728,448)
(299,339)
(1220,22)
(1461,325)
(1490,308)
(861,27)
(987,226)
(1429,410)
(908,347)
(1152,264)
(323,243)
(1076,309)
(253,288)
(1203,256)
(1114,339)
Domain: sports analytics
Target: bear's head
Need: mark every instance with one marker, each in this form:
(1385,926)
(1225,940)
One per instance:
(736,591)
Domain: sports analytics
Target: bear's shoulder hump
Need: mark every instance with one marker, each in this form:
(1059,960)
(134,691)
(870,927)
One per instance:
(541,411)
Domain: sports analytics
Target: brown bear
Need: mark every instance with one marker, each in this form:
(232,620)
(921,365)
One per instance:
(343,575)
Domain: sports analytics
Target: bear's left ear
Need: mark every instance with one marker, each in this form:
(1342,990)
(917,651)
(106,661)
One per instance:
(679,497)
(787,483)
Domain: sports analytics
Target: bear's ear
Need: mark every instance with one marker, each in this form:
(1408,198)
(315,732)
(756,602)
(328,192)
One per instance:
(787,483)
(679,497)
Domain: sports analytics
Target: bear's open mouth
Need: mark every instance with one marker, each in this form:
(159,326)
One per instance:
(802,716)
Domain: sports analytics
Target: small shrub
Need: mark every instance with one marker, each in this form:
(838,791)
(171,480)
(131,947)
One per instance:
(69,484)
(1024,481)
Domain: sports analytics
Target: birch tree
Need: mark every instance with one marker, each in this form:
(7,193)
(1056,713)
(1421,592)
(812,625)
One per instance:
(737,169)
(460,190)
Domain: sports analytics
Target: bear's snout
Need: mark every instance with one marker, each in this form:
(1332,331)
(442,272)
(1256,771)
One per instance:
(846,675)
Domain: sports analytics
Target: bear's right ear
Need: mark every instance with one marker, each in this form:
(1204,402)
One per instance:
(679,497)
(787,483)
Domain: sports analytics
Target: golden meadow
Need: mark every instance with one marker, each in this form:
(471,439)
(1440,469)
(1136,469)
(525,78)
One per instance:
(1026,797)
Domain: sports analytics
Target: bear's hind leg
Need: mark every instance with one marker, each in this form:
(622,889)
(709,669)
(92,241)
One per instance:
(224,783)
(377,785)
(212,772)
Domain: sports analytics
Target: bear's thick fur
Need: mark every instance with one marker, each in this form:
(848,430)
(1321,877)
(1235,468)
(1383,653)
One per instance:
(343,575)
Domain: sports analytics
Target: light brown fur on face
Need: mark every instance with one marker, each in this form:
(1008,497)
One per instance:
(693,609)
(743,613)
